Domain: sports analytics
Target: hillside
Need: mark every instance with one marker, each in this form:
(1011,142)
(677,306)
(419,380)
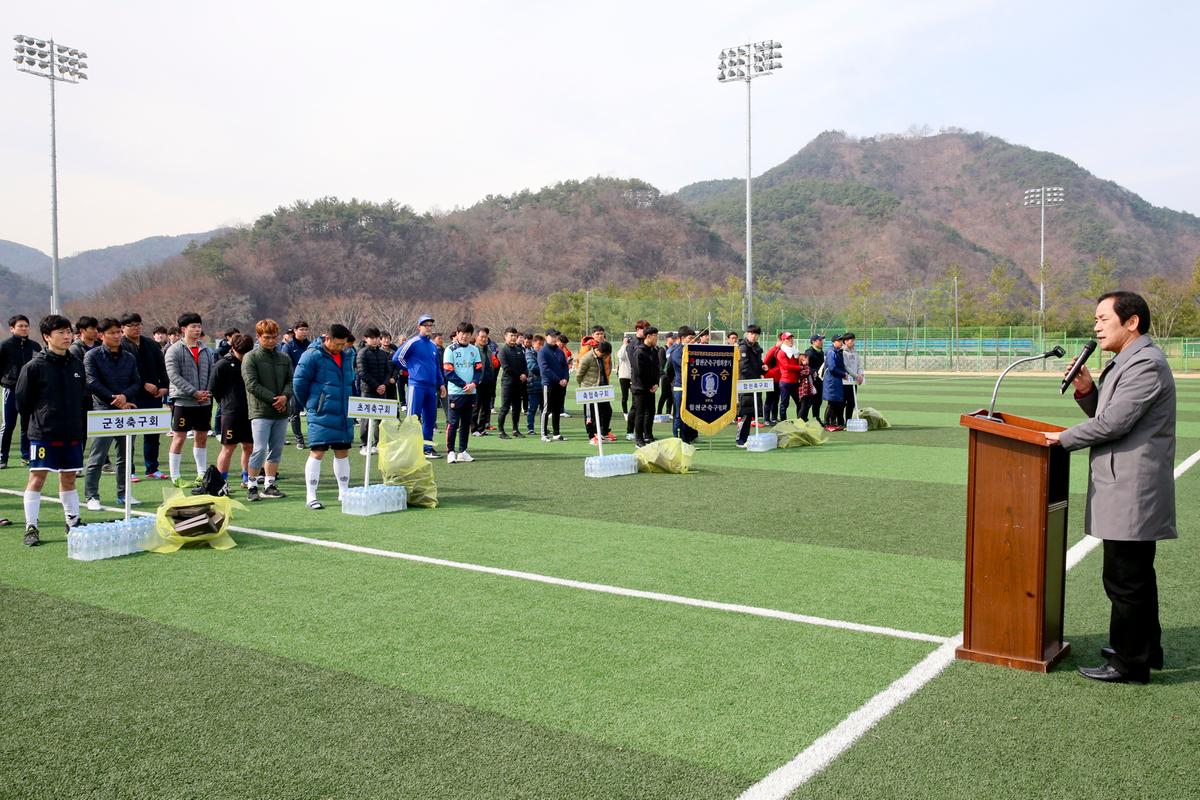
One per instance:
(899,210)
(89,270)
(18,293)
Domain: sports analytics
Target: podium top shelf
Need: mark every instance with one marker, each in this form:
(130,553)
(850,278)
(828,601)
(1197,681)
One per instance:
(1022,429)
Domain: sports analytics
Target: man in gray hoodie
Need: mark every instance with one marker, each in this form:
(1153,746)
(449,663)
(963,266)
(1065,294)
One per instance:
(189,369)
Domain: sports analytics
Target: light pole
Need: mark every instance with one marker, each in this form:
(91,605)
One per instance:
(745,62)
(46,59)
(1040,198)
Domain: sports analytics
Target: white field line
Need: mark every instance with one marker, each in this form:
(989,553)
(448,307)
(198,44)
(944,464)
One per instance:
(812,760)
(602,588)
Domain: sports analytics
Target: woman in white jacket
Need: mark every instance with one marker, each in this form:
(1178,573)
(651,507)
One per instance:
(625,375)
(854,373)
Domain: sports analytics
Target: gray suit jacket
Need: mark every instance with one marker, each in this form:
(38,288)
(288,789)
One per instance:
(1131,480)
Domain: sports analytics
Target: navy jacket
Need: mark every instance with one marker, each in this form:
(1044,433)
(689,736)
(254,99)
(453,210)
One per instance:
(552,361)
(15,353)
(110,374)
(835,370)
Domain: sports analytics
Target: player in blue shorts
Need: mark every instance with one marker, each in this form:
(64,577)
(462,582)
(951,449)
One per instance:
(50,391)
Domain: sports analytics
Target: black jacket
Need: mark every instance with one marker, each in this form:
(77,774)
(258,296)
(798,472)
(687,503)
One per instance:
(374,368)
(109,374)
(750,363)
(80,350)
(815,359)
(646,369)
(50,392)
(228,388)
(152,368)
(15,353)
(512,361)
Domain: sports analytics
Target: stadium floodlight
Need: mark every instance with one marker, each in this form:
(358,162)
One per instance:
(1040,198)
(58,63)
(745,62)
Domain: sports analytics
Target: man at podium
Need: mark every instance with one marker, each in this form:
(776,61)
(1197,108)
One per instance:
(1131,482)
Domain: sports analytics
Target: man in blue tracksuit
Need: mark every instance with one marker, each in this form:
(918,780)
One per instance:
(419,355)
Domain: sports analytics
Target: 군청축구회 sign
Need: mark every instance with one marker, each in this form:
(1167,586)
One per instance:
(710,373)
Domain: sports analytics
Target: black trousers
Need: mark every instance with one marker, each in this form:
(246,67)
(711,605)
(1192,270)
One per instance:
(605,416)
(458,421)
(815,402)
(665,390)
(552,406)
(1132,588)
(835,413)
(770,408)
(791,391)
(746,412)
(625,384)
(512,395)
(851,393)
(643,416)
(485,398)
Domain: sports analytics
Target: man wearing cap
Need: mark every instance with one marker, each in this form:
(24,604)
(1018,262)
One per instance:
(750,367)
(675,369)
(419,355)
(816,358)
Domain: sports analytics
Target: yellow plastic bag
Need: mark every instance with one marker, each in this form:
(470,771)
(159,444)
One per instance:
(800,434)
(666,455)
(402,461)
(875,420)
(169,541)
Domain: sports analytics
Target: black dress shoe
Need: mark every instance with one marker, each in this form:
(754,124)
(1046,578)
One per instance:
(1156,662)
(1110,674)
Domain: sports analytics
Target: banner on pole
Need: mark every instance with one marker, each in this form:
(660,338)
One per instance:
(373,408)
(129,423)
(710,379)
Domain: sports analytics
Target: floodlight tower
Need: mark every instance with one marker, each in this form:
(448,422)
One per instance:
(745,62)
(1040,198)
(57,62)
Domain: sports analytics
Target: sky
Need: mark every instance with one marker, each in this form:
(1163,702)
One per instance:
(199,115)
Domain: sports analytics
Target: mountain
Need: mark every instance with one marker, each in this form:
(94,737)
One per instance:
(898,210)
(18,293)
(85,272)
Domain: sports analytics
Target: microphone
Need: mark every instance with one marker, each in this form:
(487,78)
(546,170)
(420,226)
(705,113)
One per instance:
(1057,352)
(1084,355)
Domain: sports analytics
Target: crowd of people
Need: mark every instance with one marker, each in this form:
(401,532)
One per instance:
(247,390)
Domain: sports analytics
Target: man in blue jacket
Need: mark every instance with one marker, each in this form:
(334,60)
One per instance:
(293,349)
(675,370)
(552,361)
(419,355)
(322,385)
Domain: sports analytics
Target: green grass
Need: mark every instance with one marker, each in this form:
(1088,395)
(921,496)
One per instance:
(295,661)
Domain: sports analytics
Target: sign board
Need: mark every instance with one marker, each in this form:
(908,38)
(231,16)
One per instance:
(709,382)
(373,408)
(756,385)
(112,422)
(595,394)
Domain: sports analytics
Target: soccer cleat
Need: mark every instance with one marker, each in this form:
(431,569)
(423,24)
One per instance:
(451,457)
(93,504)
(32,539)
(271,491)
(252,494)
(465,456)
(73,523)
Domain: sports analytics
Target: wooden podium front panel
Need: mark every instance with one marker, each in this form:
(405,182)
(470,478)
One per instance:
(1006,569)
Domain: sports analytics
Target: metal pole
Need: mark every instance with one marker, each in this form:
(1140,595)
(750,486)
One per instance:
(128,466)
(1042,266)
(749,248)
(954,352)
(370,440)
(54,290)
(596,423)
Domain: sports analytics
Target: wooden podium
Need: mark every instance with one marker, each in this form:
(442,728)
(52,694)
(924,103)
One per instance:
(1017,494)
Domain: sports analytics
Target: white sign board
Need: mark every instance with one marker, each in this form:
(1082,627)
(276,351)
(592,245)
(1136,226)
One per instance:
(756,385)
(112,422)
(374,408)
(595,394)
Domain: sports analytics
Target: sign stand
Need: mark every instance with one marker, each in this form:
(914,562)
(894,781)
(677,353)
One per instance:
(128,476)
(758,441)
(372,409)
(367,500)
(128,423)
(602,466)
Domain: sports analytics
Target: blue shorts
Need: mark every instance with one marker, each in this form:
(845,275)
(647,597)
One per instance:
(56,456)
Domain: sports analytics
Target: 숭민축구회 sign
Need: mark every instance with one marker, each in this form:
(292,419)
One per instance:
(710,374)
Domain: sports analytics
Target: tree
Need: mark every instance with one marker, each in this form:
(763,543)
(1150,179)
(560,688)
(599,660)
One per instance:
(1101,278)
(564,310)
(863,309)
(1172,303)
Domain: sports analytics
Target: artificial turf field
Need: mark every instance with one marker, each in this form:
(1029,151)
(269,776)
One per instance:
(286,669)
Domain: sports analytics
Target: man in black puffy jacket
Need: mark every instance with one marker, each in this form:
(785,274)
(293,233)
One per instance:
(15,353)
(646,373)
(750,366)
(373,365)
(513,378)
(49,393)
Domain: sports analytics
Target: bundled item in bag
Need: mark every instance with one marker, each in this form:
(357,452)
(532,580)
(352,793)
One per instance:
(666,455)
(184,519)
(798,433)
(403,463)
(875,420)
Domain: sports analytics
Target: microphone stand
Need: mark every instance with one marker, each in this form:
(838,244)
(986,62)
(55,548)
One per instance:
(1057,352)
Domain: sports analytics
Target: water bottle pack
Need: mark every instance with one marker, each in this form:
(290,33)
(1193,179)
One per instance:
(762,442)
(110,539)
(361,501)
(610,466)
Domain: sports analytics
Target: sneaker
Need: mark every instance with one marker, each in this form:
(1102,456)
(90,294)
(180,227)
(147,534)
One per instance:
(133,501)
(531,432)
(451,457)
(252,494)
(73,523)
(301,444)
(740,444)
(315,505)
(546,439)
(477,433)
(594,441)
(191,435)
(565,414)
(558,437)
(134,478)
(107,469)
(271,491)
(504,435)
(374,450)
(158,475)
(432,454)
(465,456)
(93,504)
(629,437)
(517,435)
(3,465)
(362,451)
(31,536)
(610,437)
